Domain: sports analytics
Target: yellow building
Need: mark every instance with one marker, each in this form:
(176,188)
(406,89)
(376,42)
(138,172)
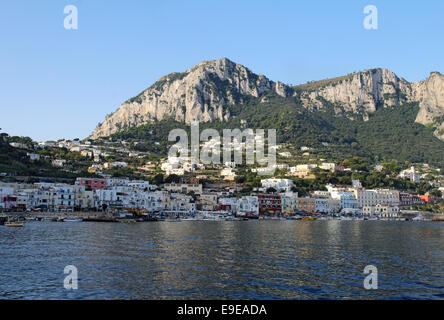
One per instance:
(306,204)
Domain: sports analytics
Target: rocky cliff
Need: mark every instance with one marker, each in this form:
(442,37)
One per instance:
(204,92)
(200,93)
(358,92)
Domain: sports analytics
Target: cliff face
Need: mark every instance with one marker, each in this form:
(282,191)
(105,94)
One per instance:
(359,92)
(204,92)
(431,94)
(201,93)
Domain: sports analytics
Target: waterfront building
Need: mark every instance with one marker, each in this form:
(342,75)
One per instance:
(289,203)
(321,205)
(84,199)
(61,197)
(408,199)
(306,204)
(208,202)
(269,204)
(7,198)
(181,203)
(228,203)
(248,205)
(374,197)
(347,198)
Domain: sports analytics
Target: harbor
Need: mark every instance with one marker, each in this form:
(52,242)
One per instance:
(203,259)
(137,216)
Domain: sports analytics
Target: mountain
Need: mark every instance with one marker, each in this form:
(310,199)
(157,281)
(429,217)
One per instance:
(200,93)
(207,91)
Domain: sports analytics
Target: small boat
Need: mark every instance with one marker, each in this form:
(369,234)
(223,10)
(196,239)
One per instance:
(14,224)
(308,219)
(74,220)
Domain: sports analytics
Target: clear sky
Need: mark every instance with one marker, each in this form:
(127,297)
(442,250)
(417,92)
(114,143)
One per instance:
(57,83)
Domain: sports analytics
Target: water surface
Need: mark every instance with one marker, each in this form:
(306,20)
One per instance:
(223,260)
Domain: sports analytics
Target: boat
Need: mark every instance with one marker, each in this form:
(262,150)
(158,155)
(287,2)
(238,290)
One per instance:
(14,224)
(74,220)
(309,219)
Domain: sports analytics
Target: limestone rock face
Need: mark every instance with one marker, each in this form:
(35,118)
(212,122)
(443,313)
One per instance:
(430,93)
(205,91)
(358,92)
(201,93)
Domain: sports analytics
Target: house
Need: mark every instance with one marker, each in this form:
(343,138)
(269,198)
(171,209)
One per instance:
(410,174)
(115,164)
(92,183)
(58,163)
(33,156)
(280,185)
(184,187)
(328,166)
(208,202)
(228,174)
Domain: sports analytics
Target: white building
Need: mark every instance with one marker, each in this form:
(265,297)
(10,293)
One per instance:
(33,156)
(410,174)
(282,185)
(248,205)
(384,211)
(373,197)
(59,162)
(184,187)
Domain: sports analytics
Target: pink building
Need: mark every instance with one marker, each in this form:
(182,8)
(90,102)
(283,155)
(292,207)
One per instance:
(8,201)
(92,183)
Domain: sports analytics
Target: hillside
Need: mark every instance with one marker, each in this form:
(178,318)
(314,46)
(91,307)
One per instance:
(388,133)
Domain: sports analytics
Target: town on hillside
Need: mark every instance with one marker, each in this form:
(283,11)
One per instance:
(111,179)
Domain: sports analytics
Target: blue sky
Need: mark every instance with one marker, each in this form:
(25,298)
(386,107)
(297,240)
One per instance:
(58,83)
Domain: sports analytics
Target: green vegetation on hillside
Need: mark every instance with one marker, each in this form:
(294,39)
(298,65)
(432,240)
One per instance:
(389,134)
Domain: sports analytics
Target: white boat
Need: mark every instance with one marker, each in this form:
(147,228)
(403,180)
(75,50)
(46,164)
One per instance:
(74,220)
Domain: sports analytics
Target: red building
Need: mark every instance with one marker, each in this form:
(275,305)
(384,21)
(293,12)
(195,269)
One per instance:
(407,199)
(92,183)
(269,204)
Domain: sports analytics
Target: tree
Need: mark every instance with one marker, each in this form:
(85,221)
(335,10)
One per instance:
(271,190)
(172,178)
(158,179)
